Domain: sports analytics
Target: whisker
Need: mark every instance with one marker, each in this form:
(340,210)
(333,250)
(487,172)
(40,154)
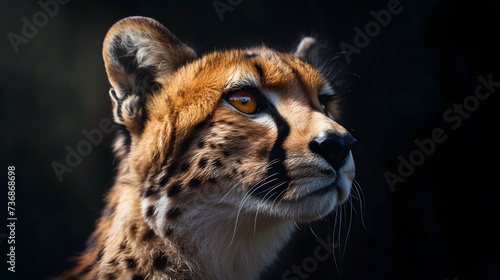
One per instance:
(245,197)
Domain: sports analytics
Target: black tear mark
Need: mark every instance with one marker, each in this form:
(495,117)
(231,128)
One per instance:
(276,180)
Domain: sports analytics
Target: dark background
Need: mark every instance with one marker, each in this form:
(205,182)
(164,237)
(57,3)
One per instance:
(440,223)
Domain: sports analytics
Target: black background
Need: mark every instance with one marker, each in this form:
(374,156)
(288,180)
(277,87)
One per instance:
(440,223)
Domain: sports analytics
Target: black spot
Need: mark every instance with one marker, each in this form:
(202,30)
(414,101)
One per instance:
(123,246)
(169,231)
(149,191)
(150,211)
(109,276)
(202,163)
(185,166)
(133,229)
(173,213)
(212,146)
(164,180)
(238,161)
(212,180)
(160,262)
(130,263)
(171,169)
(174,190)
(98,256)
(217,162)
(194,182)
(201,144)
(226,153)
(148,235)
(137,277)
(112,262)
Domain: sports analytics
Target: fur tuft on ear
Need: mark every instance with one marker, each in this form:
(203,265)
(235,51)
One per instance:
(137,51)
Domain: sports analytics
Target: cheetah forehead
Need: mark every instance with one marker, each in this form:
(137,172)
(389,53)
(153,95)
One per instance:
(197,87)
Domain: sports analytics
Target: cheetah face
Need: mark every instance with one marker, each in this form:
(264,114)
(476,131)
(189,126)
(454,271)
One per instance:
(272,148)
(248,130)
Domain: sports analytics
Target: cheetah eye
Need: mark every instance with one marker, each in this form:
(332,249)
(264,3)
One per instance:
(244,101)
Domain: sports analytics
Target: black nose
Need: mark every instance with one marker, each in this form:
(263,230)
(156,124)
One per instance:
(332,147)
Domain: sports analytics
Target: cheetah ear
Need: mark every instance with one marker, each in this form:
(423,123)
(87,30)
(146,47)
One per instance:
(137,51)
(307,50)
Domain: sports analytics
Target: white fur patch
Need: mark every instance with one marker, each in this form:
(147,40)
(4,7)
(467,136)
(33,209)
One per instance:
(240,79)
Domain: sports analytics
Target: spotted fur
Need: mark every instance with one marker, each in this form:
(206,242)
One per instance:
(204,191)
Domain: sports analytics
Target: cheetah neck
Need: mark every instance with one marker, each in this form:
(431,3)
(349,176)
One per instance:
(226,247)
(208,242)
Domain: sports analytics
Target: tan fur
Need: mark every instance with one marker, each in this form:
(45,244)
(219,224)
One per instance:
(181,206)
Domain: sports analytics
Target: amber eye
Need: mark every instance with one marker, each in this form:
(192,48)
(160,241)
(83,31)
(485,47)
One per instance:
(244,101)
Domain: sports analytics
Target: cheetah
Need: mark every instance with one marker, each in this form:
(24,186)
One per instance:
(218,156)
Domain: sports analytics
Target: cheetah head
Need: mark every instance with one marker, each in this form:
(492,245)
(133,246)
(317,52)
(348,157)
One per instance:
(247,130)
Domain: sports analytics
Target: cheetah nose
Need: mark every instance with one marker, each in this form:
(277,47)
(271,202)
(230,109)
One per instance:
(332,147)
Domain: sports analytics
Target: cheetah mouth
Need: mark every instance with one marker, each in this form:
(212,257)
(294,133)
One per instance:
(321,191)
